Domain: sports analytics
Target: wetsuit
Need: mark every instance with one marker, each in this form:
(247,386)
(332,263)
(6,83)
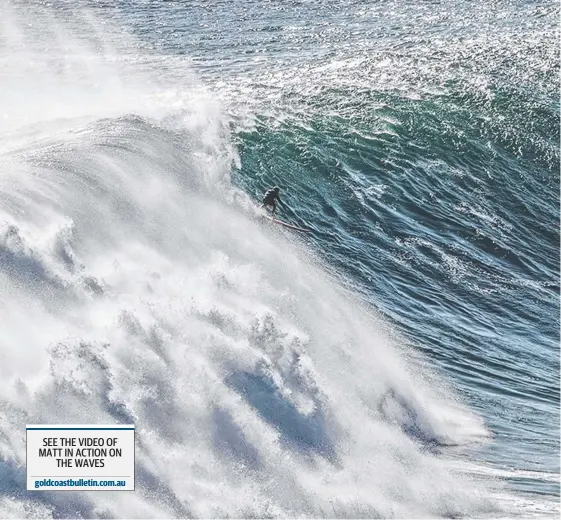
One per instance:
(271,198)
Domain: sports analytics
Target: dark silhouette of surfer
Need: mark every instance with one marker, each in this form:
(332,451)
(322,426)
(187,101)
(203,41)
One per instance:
(271,198)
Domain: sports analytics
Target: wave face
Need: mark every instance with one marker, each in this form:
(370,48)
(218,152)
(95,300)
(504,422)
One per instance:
(138,286)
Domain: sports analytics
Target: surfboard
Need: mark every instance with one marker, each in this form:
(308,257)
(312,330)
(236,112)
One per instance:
(287,225)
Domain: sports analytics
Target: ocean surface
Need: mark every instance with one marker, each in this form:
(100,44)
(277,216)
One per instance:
(402,360)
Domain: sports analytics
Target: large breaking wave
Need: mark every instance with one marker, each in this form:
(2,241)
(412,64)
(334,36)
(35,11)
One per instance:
(138,287)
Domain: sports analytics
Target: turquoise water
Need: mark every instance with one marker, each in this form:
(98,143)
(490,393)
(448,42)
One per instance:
(419,142)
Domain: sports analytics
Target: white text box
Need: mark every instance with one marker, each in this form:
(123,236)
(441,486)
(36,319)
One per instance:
(80,457)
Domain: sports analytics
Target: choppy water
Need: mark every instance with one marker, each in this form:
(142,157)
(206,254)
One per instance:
(401,361)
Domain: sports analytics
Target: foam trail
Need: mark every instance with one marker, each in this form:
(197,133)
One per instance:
(132,291)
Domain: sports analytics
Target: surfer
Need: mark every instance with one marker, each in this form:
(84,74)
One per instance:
(271,198)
